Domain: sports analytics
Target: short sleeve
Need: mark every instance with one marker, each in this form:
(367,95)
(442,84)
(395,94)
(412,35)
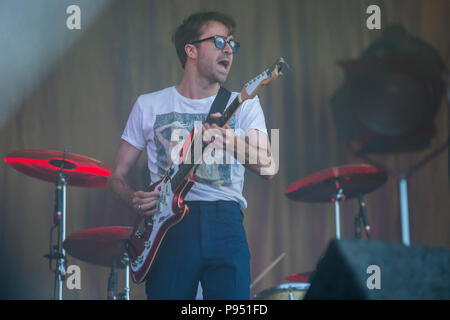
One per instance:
(251,116)
(134,132)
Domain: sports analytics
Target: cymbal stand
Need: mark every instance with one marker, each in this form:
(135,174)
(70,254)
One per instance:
(57,251)
(361,217)
(336,199)
(126,290)
(112,281)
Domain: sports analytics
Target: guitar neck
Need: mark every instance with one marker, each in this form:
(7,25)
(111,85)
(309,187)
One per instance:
(228,113)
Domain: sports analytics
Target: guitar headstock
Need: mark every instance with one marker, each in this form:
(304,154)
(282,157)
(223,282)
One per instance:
(252,87)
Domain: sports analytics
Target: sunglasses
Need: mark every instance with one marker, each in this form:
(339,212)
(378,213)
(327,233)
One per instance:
(220,42)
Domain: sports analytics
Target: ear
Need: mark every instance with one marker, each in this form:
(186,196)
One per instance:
(191,51)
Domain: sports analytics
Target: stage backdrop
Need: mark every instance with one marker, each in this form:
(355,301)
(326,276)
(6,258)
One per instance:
(83,104)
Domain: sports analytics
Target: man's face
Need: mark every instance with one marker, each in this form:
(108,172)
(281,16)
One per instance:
(212,63)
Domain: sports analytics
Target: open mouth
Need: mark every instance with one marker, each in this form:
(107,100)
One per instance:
(224,63)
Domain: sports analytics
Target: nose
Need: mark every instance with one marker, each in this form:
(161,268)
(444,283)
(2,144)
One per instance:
(227,49)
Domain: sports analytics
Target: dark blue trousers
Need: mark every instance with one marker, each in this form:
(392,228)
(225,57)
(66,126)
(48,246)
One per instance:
(210,246)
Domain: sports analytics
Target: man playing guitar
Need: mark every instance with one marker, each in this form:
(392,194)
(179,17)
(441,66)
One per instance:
(209,245)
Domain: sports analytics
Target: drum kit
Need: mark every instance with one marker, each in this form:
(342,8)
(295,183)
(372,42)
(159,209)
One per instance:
(105,246)
(108,246)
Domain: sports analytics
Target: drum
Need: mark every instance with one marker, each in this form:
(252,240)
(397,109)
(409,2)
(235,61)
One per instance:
(285,291)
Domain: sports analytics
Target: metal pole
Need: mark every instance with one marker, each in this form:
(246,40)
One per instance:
(62,267)
(337,198)
(127,282)
(337,219)
(126,290)
(404,212)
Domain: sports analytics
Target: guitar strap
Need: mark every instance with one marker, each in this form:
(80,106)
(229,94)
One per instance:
(219,104)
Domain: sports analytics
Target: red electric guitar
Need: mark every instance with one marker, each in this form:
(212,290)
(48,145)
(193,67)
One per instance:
(149,231)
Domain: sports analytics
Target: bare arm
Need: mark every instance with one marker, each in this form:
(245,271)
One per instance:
(140,201)
(257,153)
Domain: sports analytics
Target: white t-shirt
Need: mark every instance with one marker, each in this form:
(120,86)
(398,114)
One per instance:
(158,115)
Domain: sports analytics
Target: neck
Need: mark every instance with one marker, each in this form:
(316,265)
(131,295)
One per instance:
(193,86)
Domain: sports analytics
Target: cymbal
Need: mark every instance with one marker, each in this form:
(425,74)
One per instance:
(323,185)
(100,246)
(79,170)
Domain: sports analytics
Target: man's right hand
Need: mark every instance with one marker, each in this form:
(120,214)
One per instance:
(145,202)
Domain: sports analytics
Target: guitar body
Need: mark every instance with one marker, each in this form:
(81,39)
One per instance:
(149,231)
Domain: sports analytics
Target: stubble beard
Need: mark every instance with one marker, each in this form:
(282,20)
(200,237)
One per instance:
(212,75)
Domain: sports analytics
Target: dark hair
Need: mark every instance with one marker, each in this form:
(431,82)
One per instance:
(189,30)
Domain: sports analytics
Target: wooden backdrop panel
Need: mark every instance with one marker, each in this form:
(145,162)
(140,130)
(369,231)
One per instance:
(84,102)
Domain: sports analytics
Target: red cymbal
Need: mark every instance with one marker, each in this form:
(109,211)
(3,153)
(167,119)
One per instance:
(323,186)
(99,246)
(45,165)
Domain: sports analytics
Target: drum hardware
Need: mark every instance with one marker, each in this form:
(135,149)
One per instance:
(104,246)
(126,261)
(336,199)
(361,218)
(294,290)
(337,184)
(64,169)
(112,281)
(59,220)
(285,291)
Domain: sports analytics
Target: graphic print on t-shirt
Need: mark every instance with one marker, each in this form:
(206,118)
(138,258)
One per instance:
(166,128)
